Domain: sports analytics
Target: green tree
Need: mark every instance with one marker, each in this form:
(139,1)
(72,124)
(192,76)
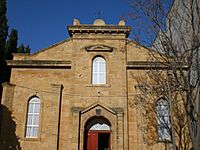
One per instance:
(23,49)
(12,44)
(8,45)
(3,37)
(3,28)
(27,49)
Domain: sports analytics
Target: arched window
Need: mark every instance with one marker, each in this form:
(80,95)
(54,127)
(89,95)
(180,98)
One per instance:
(99,71)
(164,127)
(32,122)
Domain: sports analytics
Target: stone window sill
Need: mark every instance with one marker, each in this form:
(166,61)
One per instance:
(98,85)
(31,139)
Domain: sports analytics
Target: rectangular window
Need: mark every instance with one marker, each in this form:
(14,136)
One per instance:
(164,128)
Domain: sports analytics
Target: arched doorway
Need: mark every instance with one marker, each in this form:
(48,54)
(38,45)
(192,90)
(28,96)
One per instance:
(97,134)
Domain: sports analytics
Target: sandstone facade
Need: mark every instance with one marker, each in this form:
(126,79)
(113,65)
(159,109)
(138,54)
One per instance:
(61,77)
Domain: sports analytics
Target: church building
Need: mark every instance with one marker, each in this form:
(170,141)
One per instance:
(77,93)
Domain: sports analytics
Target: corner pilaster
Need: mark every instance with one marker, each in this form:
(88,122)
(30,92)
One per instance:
(8,95)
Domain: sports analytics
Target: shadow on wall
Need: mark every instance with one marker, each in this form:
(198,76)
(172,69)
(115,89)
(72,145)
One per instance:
(4,75)
(8,138)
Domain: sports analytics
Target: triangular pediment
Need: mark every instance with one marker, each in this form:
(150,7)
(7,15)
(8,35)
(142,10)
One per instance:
(98,106)
(99,48)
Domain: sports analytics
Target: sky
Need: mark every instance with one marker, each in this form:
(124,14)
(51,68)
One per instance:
(41,23)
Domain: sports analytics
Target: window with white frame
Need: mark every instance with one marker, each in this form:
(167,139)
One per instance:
(164,128)
(99,71)
(33,114)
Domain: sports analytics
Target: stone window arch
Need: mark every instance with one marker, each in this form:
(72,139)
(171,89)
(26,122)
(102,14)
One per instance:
(99,70)
(32,117)
(163,120)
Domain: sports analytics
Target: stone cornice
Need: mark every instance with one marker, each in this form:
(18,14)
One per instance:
(106,29)
(151,65)
(38,64)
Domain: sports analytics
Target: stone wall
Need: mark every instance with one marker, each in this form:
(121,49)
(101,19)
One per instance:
(61,76)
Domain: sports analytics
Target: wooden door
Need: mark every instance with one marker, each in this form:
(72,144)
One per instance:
(98,140)
(92,141)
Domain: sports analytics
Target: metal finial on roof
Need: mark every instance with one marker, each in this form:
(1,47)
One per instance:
(99,14)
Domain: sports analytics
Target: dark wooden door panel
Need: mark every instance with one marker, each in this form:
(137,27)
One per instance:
(92,142)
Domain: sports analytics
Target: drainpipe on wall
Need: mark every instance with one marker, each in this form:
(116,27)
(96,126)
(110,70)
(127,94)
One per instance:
(59,116)
(79,130)
(198,120)
(171,109)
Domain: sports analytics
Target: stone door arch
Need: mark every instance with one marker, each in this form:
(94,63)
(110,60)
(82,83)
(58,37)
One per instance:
(97,114)
(97,134)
